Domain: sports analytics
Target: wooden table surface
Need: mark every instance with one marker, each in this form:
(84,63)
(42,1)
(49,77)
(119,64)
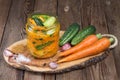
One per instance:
(103,14)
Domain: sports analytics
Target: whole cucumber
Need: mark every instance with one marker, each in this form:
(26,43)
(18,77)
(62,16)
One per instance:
(82,34)
(71,31)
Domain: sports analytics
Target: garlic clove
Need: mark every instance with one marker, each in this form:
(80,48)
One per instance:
(53,65)
(7,53)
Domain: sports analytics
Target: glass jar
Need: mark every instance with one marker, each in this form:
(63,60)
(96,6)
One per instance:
(42,35)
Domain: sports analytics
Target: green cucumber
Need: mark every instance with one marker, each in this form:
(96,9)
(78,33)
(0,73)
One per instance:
(49,22)
(71,31)
(82,34)
(38,21)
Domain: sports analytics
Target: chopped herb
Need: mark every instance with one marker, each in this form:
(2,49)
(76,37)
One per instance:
(51,35)
(33,42)
(39,47)
(36,31)
(43,31)
(39,39)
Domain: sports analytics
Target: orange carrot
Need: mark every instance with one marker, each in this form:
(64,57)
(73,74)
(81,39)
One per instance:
(89,40)
(97,47)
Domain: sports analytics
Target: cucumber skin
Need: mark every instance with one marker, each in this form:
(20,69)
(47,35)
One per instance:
(82,34)
(71,31)
(39,47)
(38,21)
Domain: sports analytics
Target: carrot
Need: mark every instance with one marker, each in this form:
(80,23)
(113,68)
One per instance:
(89,40)
(97,47)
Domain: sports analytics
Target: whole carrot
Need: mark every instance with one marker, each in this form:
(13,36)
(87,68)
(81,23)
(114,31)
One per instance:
(94,49)
(89,40)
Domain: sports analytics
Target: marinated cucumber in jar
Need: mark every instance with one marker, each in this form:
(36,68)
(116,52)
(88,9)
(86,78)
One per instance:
(51,31)
(44,20)
(42,31)
(38,21)
(49,22)
(41,46)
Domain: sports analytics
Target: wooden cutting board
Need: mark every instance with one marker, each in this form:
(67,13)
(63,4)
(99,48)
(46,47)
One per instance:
(42,65)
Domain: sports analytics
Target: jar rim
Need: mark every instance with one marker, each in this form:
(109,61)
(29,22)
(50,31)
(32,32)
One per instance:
(48,28)
(39,13)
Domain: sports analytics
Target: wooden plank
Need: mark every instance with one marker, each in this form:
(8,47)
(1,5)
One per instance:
(92,13)
(85,9)
(112,13)
(38,76)
(4,8)
(49,7)
(69,12)
(13,32)
(43,6)
(28,9)
(106,69)
(33,76)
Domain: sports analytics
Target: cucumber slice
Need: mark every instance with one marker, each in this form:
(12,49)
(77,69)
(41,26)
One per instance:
(38,21)
(49,22)
(29,28)
(50,32)
(39,47)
